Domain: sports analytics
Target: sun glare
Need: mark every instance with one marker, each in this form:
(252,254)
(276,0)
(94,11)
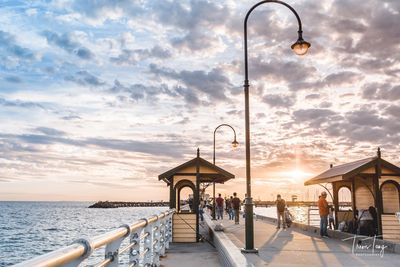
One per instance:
(297,174)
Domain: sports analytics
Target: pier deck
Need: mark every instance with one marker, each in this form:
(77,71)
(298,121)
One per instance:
(295,248)
(199,254)
(191,254)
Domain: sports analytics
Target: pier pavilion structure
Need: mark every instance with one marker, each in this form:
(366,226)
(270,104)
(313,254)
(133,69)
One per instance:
(371,182)
(190,174)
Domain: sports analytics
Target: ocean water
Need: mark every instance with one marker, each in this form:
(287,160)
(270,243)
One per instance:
(29,229)
(300,214)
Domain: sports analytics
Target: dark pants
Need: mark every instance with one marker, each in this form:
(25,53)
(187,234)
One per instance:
(236,215)
(324,226)
(220,213)
(281,215)
(331,223)
(231,213)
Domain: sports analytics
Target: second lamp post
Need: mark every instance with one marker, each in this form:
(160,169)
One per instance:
(234,145)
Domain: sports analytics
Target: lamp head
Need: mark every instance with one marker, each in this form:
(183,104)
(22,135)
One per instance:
(235,143)
(300,47)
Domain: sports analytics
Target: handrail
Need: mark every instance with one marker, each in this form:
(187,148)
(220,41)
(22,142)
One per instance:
(146,236)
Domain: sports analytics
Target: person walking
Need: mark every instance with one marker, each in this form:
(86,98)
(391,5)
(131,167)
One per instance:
(280,211)
(201,209)
(227,204)
(323,214)
(331,220)
(236,207)
(220,207)
(230,209)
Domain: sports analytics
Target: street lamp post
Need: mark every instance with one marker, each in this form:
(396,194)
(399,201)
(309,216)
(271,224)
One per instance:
(300,47)
(234,145)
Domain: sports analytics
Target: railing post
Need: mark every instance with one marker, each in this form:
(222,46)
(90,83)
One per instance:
(156,243)
(134,252)
(168,236)
(112,249)
(163,231)
(148,245)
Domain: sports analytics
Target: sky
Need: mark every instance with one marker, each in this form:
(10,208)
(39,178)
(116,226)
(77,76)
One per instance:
(99,97)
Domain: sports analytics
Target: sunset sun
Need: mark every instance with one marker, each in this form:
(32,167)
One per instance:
(297,174)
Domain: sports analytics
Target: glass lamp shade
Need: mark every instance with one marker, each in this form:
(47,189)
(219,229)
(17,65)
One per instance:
(300,47)
(235,144)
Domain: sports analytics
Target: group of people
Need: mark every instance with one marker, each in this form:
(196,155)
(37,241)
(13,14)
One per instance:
(361,224)
(232,207)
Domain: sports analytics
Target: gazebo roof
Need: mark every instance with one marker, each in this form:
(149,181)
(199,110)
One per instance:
(348,170)
(213,173)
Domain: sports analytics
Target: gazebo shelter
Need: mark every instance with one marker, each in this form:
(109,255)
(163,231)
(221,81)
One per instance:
(372,182)
(190,174)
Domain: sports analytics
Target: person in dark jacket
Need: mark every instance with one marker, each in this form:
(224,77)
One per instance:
(280,211)
(236,207)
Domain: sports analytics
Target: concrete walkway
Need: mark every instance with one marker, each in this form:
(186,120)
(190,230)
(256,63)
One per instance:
(293,247)
(200,254)
(191,254)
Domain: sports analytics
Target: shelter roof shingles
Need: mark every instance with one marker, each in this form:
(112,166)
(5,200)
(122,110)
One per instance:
(341,172)
(220,176)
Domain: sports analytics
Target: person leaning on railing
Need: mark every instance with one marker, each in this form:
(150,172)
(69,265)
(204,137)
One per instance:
(323,213)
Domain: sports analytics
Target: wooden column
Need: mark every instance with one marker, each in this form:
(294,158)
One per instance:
(336,203)
(353,196)
(196,199)
(172,194)
(378,195)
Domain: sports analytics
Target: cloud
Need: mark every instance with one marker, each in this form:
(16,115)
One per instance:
(71,117)
(50,131)
(313,96)
(8,46)
(13,79)
(340,78)
(393,110)
(99,11)
(21,104)
(280,70)
(312,114)
(214,84)
(52,136)
(137,92)
(378,91)
(196,19)
(83,77)
(132,57)
(68,43)
(277,101)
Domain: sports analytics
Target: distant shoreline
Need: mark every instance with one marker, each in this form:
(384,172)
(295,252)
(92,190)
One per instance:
(123,204)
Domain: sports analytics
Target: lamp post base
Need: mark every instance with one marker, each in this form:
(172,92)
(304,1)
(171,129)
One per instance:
(247,251)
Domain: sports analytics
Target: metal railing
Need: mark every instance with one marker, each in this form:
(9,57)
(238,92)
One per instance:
(148,240)
(313,218)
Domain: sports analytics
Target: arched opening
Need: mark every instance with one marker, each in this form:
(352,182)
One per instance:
(344,197)
(184,192)
(390,197)
(185,199)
